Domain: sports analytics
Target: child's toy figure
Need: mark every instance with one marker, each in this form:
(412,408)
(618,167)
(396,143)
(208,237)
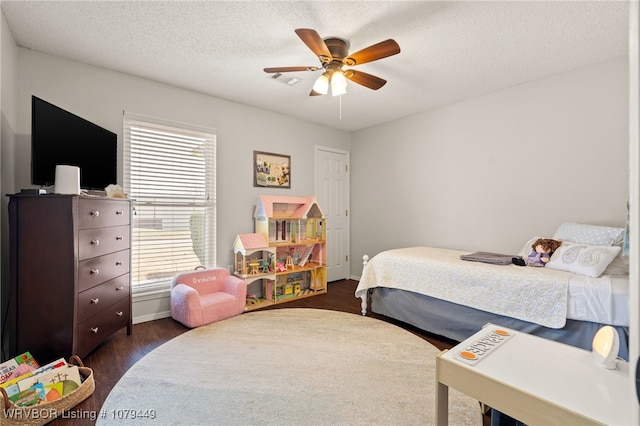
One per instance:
(542,249)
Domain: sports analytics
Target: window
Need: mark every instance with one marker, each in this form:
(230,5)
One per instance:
(170,174)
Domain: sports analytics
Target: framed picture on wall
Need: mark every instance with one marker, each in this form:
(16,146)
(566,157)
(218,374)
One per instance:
(271,170)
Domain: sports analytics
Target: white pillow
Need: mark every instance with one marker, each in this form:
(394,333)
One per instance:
(594,235)
(582,259)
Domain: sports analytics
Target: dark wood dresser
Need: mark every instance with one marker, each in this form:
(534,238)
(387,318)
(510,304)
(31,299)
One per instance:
(69,286)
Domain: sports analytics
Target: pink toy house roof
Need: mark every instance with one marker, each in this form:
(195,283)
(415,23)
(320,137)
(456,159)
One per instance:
(251,241)
(287,207)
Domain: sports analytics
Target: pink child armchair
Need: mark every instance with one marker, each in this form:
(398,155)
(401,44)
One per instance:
(206,295)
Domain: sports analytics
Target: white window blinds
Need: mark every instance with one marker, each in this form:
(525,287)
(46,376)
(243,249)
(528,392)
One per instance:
(170,173)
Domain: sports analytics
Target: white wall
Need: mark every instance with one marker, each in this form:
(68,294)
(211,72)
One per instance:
(483,174)
(634,200)
(101,96)
(8,78)
(490,172)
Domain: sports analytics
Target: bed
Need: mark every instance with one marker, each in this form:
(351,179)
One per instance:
(584,287)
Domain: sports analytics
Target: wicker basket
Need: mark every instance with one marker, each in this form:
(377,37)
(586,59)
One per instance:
(41,414)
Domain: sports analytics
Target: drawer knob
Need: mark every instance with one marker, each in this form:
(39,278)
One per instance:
(94,330)
(94,271)
(95,242)
(118,238)
(118,263)
(119,313)
(94,301)
(95,213)
(120,288)
(119,212)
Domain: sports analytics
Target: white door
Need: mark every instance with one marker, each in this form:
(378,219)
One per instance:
(332,192)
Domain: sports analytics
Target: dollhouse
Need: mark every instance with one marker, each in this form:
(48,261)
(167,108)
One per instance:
(287,252)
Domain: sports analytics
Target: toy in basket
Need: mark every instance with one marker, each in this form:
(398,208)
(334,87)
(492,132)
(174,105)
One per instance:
(43,412)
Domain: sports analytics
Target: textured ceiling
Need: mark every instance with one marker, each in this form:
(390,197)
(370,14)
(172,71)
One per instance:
(450,50)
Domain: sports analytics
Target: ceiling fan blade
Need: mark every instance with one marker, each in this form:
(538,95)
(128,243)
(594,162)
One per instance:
(364,79)
(373,53)
(314,93)
(314,42)
(290,69)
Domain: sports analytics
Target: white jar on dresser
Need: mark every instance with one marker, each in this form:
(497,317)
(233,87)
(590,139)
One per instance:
(69,286)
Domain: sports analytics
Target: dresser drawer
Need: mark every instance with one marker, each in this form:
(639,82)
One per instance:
(96,213)
(97,270)
(96,299)
(97,328)
(99,241)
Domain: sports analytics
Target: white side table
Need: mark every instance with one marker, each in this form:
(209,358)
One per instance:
(535,380)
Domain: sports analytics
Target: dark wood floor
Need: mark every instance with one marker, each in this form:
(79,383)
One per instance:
(114,357)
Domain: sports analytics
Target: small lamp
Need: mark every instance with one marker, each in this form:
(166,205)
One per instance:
(322,84)
(338,83)
(605,347)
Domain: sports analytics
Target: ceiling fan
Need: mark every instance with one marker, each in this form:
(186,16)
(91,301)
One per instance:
(333,53)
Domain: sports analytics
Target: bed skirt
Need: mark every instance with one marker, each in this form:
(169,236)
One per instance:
(457,322)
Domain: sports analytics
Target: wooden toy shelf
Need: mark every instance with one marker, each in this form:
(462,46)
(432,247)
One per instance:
(255,304)
(252,276)
(308,267)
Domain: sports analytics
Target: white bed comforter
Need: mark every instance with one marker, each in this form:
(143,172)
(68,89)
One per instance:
(537,295)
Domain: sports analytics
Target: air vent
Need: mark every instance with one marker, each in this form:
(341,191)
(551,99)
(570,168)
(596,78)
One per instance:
(286,79)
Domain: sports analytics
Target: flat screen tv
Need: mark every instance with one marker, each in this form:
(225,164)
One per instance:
(60,137)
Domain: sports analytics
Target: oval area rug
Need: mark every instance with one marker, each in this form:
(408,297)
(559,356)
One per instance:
(291,366)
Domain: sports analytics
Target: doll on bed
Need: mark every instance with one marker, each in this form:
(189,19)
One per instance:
(541,251)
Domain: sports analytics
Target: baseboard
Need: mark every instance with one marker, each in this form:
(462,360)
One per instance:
(151,304)
(151,317)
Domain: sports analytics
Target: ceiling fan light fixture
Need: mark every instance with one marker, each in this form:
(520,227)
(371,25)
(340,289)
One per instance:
(338,83)
(333,53)
(321,85)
